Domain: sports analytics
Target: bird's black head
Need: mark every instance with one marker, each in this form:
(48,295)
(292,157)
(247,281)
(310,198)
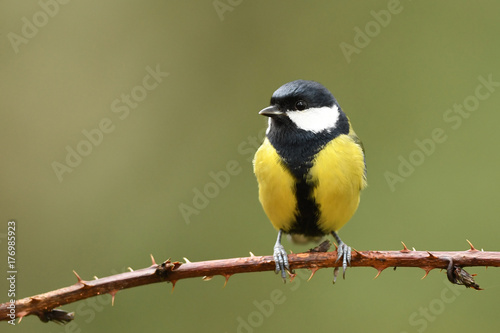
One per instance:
(306,106)
(300,95)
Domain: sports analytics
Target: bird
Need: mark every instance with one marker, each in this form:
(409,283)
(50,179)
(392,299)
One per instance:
(310,168)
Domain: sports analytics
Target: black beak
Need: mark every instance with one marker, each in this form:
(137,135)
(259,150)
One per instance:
(271,111)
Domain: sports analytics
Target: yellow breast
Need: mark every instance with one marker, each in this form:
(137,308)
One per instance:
(276,187)
(339,172)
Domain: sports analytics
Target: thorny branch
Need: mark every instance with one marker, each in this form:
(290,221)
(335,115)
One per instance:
(43,305)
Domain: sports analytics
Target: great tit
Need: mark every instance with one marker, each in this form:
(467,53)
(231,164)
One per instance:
(310,168)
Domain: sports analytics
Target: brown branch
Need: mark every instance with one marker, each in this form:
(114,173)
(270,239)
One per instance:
(43,305)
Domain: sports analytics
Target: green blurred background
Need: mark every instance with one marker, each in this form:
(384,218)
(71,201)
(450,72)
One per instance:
(122,202)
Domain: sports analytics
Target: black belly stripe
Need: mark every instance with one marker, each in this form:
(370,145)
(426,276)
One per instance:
(306,221)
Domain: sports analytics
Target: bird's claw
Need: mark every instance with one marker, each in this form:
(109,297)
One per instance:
(281,260)
(344,252)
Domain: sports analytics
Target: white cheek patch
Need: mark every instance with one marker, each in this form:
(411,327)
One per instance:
(315,119)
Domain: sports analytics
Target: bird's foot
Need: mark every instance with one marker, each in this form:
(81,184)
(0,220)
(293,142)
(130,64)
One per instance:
(344,253)
(281,260)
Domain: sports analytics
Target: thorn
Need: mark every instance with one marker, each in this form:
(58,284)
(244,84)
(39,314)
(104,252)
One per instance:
(379,270)
(251,254)
(226,276)
(472,248)
(153,262)
(173,286)
(427,270)
(176,264)
(405,249)
(20,318)
(414,249)
(291,252)
(34,299)
(313,271)
(292,276)
(96,278)
(431,255)
(359,253)
(130,269)
(186,260)
(78,277)
(113,294)
(207,277)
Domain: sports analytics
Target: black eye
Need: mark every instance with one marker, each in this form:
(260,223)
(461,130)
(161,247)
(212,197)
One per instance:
(301,105)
